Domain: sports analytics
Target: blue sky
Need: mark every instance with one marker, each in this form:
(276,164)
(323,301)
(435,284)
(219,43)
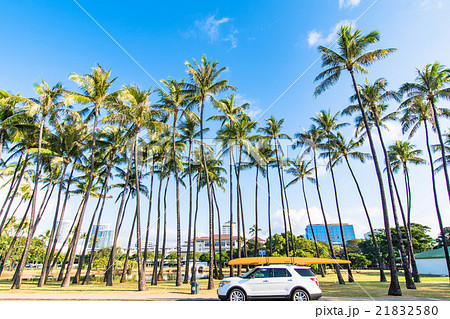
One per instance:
(266,46)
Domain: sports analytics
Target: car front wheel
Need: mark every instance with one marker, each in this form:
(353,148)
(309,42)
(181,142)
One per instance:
(300,295)
(236,295)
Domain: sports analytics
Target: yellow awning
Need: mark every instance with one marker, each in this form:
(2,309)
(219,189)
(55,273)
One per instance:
(285,260)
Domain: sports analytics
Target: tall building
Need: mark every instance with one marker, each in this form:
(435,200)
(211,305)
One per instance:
(226,228)
(202,243)
(63,232)
(104,236)
(335,232)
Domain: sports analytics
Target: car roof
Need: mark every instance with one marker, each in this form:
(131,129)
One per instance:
(284,265)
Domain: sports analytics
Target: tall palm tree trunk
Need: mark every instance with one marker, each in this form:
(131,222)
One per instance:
(208,186)
(150,201)
(188,252)
(394,287)
(408,277)
(231,209)
(22,171)
(282,199)
(312,229)
(344,244)
(268,210)
(64,263)
(330,242)
(256,212)
(194,258)
(244,239)
(374,240)
(65,241)
(220,235)
(238,217)
(123,279)
(142,285)
(158,227)
(408,197)
(436,203)
(8,253)
(52,232)
(178,281)
(21,266)
(76,278)
(13,183)
(441,142)
(112,256)
(58,229)
(410,252)
(288,213)
(94,241)
(76,236)
(163,250)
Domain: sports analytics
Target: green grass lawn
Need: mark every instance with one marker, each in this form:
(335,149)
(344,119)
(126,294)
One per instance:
(366,284)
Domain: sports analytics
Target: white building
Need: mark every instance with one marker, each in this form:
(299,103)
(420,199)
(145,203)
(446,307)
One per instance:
(63,232)
(432,262)
(226,228)
(202,243)
(104,236)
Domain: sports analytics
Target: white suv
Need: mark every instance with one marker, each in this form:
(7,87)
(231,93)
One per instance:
(272,282)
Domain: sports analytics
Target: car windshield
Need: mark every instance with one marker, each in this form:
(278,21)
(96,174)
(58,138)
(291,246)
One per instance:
(248,273)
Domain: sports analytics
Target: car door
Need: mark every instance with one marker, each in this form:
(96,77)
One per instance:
(281,282)
(258,282)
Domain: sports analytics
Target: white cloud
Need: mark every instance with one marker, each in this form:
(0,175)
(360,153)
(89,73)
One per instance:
(216,30)
(210,26)
(393,133)
(315,37)
(431,4)
(254,110)
(348,3)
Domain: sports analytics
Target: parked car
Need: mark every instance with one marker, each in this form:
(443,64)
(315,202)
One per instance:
(289,282)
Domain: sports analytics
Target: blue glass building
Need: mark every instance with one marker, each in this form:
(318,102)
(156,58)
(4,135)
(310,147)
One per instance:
(335,233)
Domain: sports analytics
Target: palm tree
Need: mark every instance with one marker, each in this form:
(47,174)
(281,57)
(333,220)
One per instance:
(12,118)
(342,150)
(257,160)
(95,88)
(64,143)
(72,144)
(204,83)
(301,169)
(48,106)
(230,114)
(400,154)
(215,169)
(189,133)
(326,124)
(239,133)
(310,139)
(268,153)
(273,131)
(175,101)
(135,112)
(432,84)
(353,56)
(437,147)
(415,113)
(112,143)
(373,97)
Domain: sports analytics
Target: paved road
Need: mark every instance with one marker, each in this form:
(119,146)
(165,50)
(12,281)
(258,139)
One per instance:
(165,297)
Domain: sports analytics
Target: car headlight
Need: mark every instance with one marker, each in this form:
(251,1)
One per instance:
(223,283)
